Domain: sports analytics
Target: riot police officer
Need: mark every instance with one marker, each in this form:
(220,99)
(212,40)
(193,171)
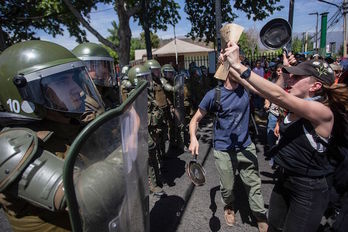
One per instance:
(161,99)
(172,86)
(195,86)
(47,97)
(100,66)
(126,85)
(155,125)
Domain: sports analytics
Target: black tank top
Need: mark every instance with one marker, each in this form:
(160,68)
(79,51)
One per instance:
(301,151)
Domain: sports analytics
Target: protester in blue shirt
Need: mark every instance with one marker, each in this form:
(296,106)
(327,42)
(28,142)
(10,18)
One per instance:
(233,148)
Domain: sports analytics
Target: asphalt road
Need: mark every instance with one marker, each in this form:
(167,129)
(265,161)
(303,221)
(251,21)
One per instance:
(191,208)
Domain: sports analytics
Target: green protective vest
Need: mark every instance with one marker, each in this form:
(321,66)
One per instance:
(160,96)
(155,114)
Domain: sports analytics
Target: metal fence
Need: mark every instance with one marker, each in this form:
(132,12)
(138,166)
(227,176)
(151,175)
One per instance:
(252,58)
(199,60)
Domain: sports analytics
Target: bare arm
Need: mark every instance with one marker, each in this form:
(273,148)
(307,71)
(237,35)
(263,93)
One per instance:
(318,114)
(194,145)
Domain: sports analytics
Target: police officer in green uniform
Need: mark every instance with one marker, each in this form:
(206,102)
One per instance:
(161,99)
(100,66)
(47,97)
(176,132)
(195,86)
(155,123)
(126,85)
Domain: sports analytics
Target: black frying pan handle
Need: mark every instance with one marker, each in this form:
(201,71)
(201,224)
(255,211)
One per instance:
(195,158)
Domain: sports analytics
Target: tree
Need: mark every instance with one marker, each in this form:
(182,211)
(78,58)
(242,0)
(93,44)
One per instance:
(201,14)
(154,39)
(248,41)
(113,38)
(296,45)
(20,19)
(166,12)
(135,43)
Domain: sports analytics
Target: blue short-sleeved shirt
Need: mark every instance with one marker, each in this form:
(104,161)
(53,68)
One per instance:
(232,123)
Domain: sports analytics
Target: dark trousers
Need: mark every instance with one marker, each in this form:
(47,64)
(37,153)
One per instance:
(297,203)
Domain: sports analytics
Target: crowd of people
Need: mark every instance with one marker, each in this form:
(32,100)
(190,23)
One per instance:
(47,99)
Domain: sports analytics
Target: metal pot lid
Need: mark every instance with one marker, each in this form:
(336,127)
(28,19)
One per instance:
(196,173)
(276,33)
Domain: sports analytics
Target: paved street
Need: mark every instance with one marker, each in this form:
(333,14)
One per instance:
(190,208)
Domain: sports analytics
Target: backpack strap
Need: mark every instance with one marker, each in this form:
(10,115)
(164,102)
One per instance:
(217,105)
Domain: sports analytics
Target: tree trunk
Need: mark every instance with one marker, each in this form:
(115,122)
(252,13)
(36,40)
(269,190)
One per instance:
(2,40)
(124,33)
(89,28)
(146,30)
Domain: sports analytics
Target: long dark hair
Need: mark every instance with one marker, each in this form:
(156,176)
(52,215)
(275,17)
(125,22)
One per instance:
(336,98)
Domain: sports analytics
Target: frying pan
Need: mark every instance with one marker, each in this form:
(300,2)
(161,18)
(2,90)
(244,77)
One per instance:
(195,172)
(276,34)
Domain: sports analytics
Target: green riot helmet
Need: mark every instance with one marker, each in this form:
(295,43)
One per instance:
(36,76)
(139,72)
(204,70)
(195,71)
(155,68)
(99,63)
(168,71)
(125,70)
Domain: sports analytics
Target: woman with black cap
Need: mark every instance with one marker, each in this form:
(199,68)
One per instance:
(317,109)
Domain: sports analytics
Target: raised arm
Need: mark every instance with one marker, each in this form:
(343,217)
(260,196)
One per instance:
(314,111)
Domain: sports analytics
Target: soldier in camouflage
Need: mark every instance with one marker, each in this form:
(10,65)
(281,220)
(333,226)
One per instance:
(176,132)
(155,123)
(126,85)
(161,99)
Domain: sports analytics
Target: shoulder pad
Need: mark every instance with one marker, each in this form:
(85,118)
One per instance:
(17,148)
(163,81)
(126,84)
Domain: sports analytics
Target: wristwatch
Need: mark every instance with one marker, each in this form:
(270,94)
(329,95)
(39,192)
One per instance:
(246,74)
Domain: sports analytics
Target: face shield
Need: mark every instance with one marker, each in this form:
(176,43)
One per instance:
(168,74)
(146,76)
(64,88)
(102,72)
(156,72)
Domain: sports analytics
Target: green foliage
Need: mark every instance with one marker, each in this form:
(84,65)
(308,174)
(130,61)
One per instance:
(20,19)
(154,39)
(296,45)
(248,44)
(201,14)
(136,43)
(114,39)
(202,17)
(164,12)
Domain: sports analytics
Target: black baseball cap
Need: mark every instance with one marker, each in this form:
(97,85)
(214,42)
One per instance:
(316,68)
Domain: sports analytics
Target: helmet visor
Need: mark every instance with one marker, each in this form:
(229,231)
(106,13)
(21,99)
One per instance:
(156,72)
(102,72)
(168,74)
(70,91)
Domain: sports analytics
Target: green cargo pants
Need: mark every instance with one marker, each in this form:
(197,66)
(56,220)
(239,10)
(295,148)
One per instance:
(245,162)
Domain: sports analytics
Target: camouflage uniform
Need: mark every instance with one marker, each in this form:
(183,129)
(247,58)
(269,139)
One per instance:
(155,123)
(176,132)
(161,100)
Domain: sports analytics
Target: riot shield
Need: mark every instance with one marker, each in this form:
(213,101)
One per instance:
(105,173)
(179,110)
